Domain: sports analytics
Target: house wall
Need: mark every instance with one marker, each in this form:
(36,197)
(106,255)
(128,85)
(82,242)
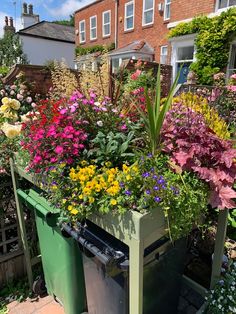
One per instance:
(39,50)
(86,13)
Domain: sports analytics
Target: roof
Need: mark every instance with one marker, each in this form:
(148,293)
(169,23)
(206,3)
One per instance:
(50,30)
(137,46)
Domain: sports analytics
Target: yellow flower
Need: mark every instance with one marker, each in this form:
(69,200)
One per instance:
(108,164)
(5,101)
(74,211)
(62,165)
(54,187)
(91,200)
(4,108)
(10,130)
(113,202)
(128,177)
(125,168)
(63,201)
(84,163)
(70,207)
(14,104)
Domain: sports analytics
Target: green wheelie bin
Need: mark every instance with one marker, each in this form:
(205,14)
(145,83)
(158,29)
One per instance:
(61,258)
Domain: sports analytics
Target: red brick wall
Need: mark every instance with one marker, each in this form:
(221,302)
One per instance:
(96,9)
(155,35)
(182,9)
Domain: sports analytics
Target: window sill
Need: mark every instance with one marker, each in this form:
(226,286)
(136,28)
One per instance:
(106,36)
(147,26)
(167,21)
(128,30)
(92,40)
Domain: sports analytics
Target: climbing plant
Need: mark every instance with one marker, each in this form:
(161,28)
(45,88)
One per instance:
(11,51)
(213,38)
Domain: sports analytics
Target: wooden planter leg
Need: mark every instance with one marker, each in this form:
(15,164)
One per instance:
(23,235)
(219,246)
(136,277)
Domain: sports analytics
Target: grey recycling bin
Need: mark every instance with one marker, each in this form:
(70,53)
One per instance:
(106,270)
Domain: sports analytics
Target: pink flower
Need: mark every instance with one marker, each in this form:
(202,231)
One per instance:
(59,149)
(37,159)
(123,127)
(135,75)
(233,76)
(232,88)
(63,111)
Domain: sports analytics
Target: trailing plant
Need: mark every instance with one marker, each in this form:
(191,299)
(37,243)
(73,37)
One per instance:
(213,38)
(193,147)
(80,50)
(222,299)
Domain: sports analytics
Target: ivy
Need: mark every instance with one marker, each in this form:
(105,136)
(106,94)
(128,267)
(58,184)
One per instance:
(80,51)
(213,39)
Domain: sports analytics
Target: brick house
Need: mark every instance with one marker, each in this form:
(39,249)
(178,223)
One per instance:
(145,23)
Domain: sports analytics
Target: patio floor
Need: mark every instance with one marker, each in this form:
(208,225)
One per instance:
(44,305)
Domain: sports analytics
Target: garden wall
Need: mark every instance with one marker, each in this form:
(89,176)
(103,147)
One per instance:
(37,75)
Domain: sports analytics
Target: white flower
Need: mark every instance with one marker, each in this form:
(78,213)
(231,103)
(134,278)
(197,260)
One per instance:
(10,130)
(33,104)
(97,104)
(114,110)
(99,123)
(29,100)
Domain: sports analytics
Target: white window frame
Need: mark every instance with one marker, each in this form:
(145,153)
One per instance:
(167,4)
(225,8)
(92,28)
(82,41)
(126,17)
(144,11)
(161,54)
(103,24)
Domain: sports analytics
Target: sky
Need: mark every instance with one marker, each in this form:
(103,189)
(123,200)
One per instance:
(48,10)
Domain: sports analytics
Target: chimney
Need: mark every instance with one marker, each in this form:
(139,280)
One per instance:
(28,17)
(24,8)
(9,28)
(30,9)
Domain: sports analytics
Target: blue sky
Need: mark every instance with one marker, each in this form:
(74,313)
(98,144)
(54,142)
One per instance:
(47,9)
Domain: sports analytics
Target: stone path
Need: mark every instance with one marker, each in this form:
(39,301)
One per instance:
(45,305)
(190,301)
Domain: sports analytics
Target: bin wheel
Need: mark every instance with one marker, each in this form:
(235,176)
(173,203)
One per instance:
(39,287)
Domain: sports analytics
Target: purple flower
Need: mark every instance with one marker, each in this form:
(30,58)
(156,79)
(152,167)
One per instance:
(127,192)
(156,188)
(148,192)
(154,176)
(157,199)
(146,174)
(150,155)
(122,185)
(161,181)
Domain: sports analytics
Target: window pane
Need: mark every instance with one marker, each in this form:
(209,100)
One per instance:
(185,53)
(106,18)
(223,4)
(93,22)
(129,22)
(232,2)
(148,4)
(130,10)
(168,1)
(93,33)
(107,29)
(82,27)
(167,12)
(82,36)
(164,51)
(148,17)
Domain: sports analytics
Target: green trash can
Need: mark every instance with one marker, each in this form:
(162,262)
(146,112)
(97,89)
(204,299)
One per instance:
(61,259)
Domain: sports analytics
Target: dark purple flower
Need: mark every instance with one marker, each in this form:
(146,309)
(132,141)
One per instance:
(148,192)
(146,174)
(156,188)
(122,185)
(157,199)
(154,176)
(127,192)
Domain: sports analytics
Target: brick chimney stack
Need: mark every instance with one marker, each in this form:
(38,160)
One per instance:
(9,28)
(28,17)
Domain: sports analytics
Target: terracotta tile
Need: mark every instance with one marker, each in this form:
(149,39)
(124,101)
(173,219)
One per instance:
(11,305)
(40,302)
(23,308)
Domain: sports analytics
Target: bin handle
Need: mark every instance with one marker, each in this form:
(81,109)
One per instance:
(45,212)
(104,258)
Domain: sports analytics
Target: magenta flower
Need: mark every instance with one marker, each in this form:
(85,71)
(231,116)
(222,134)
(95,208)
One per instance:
(59,149)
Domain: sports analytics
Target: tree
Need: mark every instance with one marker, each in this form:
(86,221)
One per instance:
(70,22)
(11,51)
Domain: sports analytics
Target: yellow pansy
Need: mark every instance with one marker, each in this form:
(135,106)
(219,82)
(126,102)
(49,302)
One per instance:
(91,200)
(113,202)
(74,211)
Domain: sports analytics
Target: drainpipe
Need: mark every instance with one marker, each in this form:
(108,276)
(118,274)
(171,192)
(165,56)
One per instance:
(116,23)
